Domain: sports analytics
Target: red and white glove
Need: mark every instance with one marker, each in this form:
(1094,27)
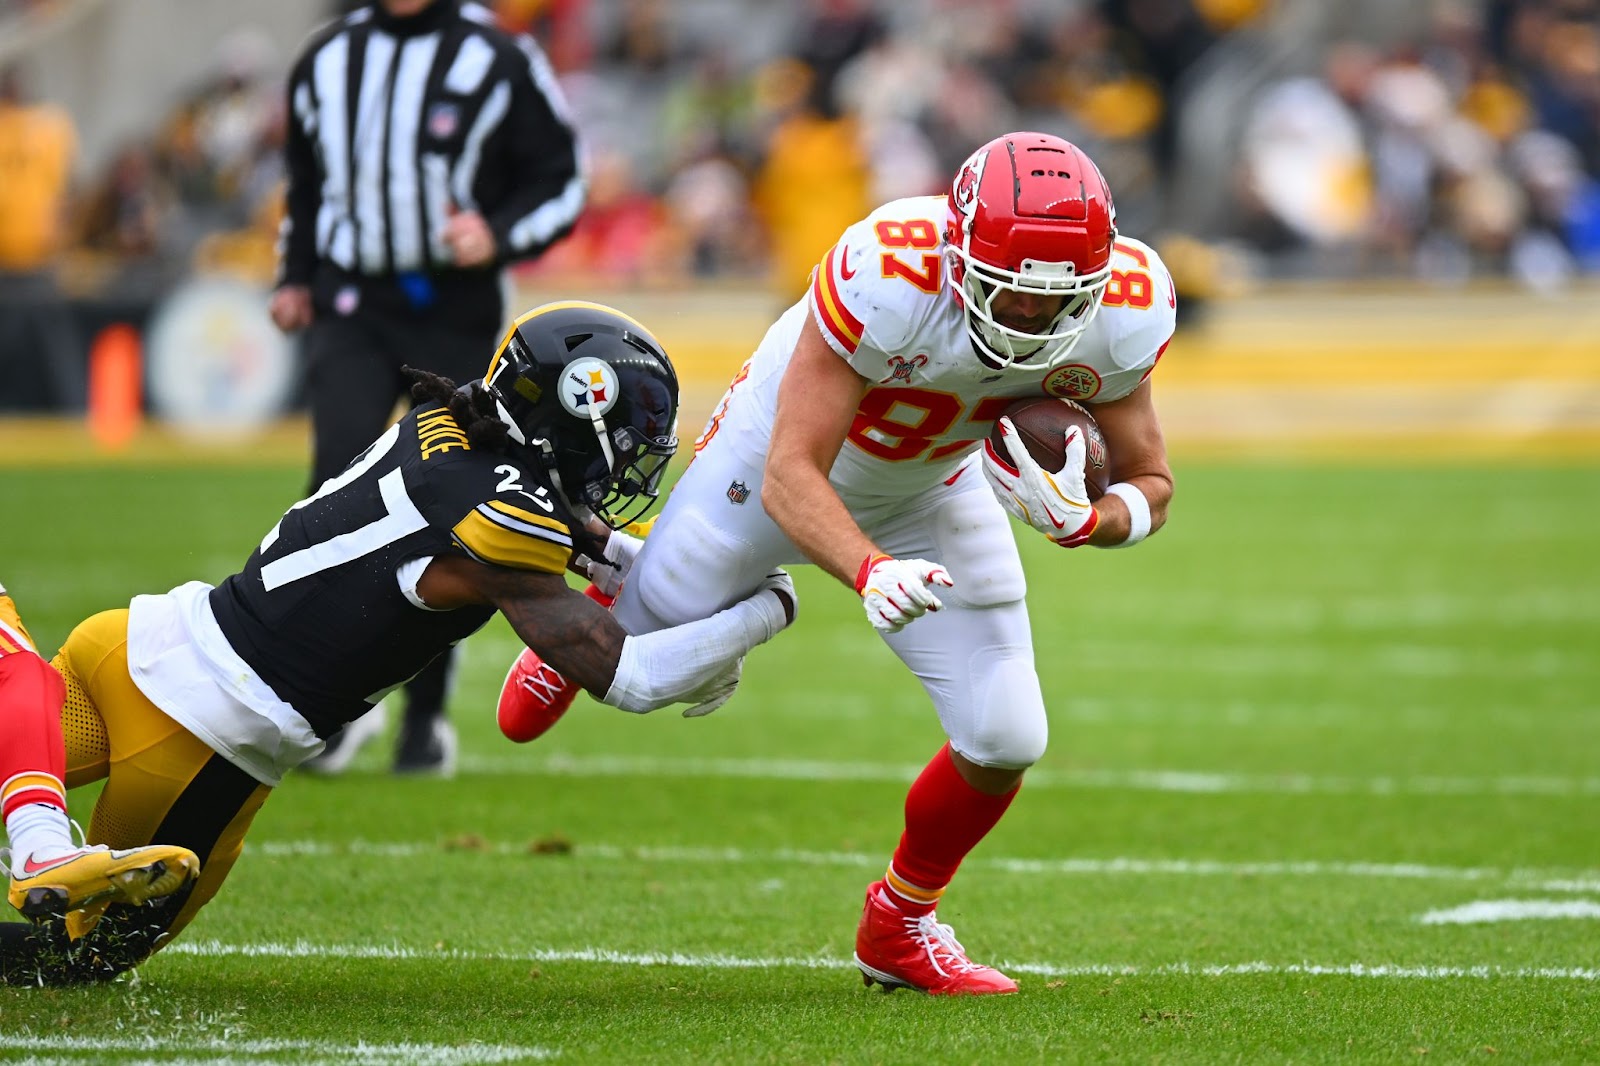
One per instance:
(1056,504)
(896,591)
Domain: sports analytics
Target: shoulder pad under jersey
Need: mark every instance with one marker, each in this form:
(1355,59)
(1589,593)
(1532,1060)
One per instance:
(883,278)
(521,527)
(498,511)
(1140,307)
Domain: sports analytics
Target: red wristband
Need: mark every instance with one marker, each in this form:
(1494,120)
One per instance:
(866,566)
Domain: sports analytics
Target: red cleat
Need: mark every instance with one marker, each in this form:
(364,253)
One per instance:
(533,698)
(535,695)
(900,950)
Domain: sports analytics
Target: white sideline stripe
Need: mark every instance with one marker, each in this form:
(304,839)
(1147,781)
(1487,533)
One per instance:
(1132,780)
(301,949)
(1547,881)
(235,1050)
(1571,886)
(1512,910)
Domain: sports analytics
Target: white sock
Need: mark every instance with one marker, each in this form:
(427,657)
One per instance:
(40,830)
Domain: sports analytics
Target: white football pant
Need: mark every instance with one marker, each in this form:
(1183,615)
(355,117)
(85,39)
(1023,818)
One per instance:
(974,657)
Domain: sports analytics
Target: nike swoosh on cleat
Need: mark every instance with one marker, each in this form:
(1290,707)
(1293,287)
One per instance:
(30,868)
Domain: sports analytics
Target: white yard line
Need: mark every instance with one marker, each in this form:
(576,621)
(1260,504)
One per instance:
(1511,910)
(306,949)
(170,1049)
(1183,781)
(1549,881)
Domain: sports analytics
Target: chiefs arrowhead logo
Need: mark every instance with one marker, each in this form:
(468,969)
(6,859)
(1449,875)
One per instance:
(965,192)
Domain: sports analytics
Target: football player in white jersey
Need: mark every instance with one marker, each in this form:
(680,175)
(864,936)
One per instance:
(854,438)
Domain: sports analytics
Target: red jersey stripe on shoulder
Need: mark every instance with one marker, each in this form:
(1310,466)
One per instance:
(1133,253)
(13,637)
(820,309)
(851,321)
(844,326)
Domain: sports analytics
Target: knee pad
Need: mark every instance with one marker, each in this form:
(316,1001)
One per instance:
(975,544)
(1009,729)
(694,571)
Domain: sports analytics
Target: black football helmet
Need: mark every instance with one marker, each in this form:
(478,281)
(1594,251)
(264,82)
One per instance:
(594,397)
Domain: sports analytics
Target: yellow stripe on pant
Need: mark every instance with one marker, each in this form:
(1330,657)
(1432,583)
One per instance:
(161,780)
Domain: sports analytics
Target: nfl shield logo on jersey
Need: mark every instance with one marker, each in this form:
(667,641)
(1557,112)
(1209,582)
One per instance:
(900,368)
(442,121)
(738,492)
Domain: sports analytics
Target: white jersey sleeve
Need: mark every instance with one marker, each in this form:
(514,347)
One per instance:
(1138,313)
(878,286)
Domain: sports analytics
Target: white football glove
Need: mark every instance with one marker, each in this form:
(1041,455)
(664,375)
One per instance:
(621,550)
(896,591)
(1056,504)
(716,692)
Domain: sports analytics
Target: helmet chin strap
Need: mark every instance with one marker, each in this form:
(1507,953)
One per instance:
(548,450)
(599,422)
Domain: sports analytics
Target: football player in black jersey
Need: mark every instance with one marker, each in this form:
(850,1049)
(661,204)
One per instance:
(194,704)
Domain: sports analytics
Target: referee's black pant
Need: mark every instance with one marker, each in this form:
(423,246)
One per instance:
(363,332)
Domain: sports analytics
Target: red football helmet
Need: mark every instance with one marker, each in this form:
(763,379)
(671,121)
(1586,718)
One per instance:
(1029,213)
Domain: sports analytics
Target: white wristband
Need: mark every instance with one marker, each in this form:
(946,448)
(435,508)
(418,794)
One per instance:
(1138,512)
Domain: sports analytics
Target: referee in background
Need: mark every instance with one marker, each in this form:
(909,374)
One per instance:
(426,150)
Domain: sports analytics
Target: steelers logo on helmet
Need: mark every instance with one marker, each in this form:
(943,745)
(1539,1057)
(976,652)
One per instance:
(591,397)
(589,388)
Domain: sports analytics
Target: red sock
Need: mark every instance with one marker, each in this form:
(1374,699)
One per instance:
(33,755)
(945,819)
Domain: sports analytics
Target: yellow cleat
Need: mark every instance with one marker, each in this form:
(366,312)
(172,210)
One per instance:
(95,874)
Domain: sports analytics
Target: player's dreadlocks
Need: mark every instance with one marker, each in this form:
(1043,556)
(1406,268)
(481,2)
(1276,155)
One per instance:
(474,411)
(470,405)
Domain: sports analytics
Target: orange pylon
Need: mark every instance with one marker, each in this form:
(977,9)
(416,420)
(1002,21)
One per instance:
(116,374)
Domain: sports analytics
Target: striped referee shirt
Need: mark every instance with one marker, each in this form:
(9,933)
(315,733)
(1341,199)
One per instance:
(398,123)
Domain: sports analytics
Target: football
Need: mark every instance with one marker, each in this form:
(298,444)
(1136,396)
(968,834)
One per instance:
(1043,423)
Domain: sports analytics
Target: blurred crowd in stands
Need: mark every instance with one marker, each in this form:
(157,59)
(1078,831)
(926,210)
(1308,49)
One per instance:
(1470,148)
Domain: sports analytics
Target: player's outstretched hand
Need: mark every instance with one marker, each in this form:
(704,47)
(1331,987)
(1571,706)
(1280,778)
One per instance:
(895,591)
(1055,503)
(716,692)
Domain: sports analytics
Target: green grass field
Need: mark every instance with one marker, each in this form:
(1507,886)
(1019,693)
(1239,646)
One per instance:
(1325,705)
